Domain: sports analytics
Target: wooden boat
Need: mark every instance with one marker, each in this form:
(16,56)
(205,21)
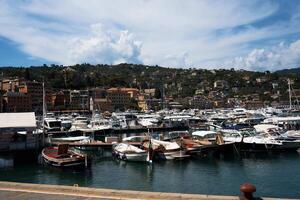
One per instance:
(61,156)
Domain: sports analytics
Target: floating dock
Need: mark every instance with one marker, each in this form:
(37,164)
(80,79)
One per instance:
(25,191)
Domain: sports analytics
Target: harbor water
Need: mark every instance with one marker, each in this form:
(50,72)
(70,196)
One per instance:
(274,174)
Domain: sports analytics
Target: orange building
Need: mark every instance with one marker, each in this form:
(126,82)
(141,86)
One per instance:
(121,97)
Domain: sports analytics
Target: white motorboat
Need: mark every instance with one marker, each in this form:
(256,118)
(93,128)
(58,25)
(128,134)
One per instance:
(251,141)
(100,124)
(80,124)
(164,150)
(129,152)
(52,125)
(66,122)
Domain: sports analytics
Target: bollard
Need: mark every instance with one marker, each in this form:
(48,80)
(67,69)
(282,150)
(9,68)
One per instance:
(247,189)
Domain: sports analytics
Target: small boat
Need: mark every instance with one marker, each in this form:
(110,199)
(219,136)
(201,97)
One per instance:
(164,150)
(128,152)
(61,156)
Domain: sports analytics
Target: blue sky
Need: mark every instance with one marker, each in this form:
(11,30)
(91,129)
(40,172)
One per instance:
(254,35)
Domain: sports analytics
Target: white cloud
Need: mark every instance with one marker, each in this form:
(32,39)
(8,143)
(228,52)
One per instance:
(104,47)
(151,32)
(277,57)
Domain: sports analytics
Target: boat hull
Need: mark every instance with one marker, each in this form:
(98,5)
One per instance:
(253,147)
(136,157)
(73,160)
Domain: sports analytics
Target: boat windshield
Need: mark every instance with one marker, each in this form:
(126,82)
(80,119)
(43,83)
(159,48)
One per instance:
(54,124)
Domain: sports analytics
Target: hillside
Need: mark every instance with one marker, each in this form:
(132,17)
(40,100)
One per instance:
(290,71)
(176,82)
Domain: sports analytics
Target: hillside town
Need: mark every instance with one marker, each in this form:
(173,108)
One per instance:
(208,89)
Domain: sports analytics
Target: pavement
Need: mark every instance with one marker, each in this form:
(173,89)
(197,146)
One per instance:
(26,191)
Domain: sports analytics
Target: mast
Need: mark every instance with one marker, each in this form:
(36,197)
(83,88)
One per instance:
(290,93)
(44,113)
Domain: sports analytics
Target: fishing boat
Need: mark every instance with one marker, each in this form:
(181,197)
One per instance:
(61,156)
(124,151)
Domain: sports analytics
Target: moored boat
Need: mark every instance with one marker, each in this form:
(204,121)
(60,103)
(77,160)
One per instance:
(124,151)
(61,156)
(164,150)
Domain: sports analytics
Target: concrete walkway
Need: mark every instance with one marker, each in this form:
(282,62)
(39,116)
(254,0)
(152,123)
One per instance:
(25,191)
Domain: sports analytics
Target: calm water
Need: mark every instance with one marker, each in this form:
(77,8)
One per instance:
(275,175)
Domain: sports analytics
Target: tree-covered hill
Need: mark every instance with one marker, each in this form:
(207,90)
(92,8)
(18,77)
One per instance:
(177,82)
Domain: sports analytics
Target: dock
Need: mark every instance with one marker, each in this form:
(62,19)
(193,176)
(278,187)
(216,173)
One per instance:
(26,191)
(92,144)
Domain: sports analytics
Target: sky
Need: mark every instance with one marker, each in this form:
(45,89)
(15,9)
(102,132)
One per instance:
(255,35)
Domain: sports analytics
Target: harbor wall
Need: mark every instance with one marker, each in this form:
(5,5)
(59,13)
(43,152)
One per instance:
(15,190)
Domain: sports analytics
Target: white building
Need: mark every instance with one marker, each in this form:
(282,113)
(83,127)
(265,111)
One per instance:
(16,131)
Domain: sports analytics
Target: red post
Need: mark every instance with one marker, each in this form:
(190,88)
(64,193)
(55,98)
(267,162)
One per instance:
(248,189)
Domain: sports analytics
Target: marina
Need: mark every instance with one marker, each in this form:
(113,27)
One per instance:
(139,100)
(184,151)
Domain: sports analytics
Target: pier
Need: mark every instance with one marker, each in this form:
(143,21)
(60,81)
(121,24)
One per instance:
(24,191)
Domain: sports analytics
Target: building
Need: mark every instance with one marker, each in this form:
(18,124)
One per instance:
(16,102)
(200,102)
(133,92)
(97,93)
(122,98)
(103,104)
(16,131)
(119,98)
(261,79)
(79,99)
(150,92)
(142,104)
(10,85)
(35,90)
(221,84)
(58,100)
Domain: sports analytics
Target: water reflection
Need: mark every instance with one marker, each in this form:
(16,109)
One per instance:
(6,162)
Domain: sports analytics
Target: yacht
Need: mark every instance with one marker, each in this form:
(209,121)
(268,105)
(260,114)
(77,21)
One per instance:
(80,124)
(99,123)
(66,122)
(52,125)
(249,140)
(148,120)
